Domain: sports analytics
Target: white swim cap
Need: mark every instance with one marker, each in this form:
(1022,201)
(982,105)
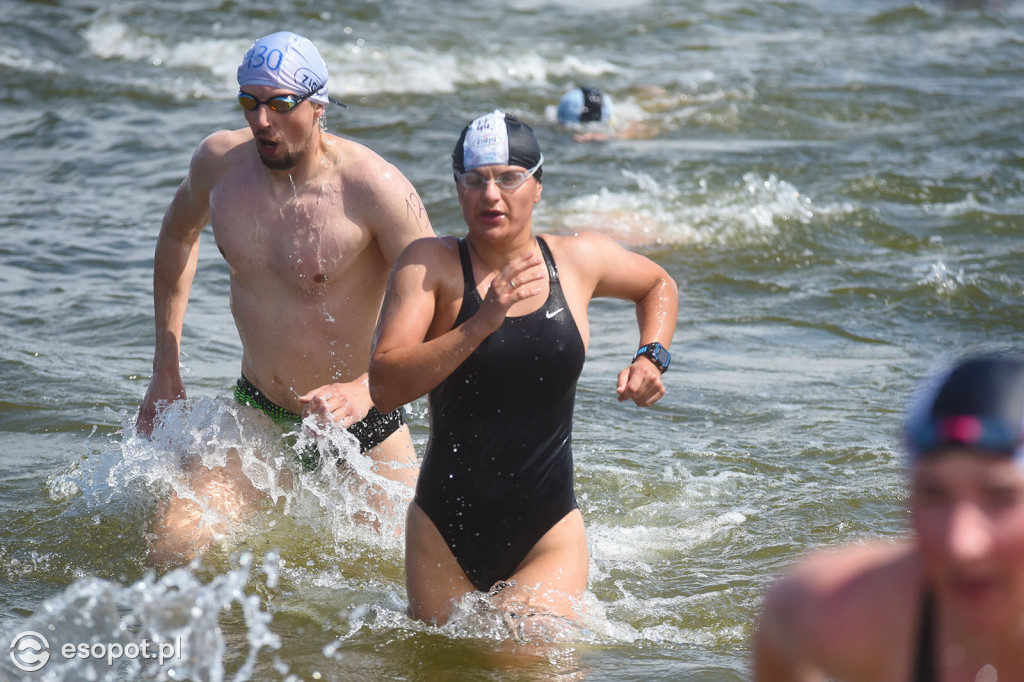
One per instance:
(285,60)
(584,105)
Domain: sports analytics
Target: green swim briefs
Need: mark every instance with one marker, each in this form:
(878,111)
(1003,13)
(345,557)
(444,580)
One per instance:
(371,431)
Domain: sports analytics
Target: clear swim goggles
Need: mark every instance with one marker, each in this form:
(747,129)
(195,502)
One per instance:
(509,181)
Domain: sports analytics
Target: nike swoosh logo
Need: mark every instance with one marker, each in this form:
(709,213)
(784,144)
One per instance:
(551,313)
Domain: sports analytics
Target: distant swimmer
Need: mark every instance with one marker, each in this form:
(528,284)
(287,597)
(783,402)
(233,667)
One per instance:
(589,113)
(309,224)
(493,326)
(946,604)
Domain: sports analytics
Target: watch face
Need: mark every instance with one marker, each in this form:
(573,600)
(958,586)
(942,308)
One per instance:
(657,353)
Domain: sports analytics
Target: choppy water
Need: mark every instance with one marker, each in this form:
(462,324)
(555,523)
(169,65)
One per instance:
(837,187)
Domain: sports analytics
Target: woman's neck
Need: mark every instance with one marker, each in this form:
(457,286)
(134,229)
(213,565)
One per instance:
(496,256)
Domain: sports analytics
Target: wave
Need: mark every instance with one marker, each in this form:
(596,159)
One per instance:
(358,67)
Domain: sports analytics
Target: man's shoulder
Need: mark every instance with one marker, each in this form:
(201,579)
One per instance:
(368,177)
(223,142)
(355,159)
(220,150)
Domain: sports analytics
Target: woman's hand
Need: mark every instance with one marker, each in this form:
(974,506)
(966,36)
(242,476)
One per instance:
(516,282)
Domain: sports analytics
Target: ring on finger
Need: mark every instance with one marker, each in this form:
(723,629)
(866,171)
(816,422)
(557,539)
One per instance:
(513,283)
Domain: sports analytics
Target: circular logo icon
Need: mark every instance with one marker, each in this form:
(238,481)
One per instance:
(30,651)
(309,80)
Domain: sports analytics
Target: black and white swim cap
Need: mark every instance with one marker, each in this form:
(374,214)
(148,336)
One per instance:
(978,403)
(497,138)
(584,105)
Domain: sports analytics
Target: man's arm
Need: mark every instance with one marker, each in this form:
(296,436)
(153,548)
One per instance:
(389,207)
(400,218)
(174,267)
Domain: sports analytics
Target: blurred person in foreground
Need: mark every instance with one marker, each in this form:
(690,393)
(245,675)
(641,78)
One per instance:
(310,224)
(947,603)
(493,326)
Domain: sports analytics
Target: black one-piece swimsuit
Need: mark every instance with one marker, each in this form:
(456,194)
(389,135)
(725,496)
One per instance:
(498,469)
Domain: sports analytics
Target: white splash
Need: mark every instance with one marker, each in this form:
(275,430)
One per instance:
(653,212)
(178,615)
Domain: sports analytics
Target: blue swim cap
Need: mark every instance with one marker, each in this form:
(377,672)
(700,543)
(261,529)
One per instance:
(584,105)
(978,404)
(288,61)
(497,138)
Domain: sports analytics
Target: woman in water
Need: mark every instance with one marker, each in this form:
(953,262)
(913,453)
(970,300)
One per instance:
(494,327)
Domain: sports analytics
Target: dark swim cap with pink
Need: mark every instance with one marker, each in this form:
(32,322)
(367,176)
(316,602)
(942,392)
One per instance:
(497,138)
(977,404)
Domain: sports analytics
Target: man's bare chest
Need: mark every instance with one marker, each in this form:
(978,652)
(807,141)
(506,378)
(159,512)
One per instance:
(306,239)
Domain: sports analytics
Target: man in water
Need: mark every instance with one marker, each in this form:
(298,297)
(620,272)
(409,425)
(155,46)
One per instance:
(309,224)
(948,602)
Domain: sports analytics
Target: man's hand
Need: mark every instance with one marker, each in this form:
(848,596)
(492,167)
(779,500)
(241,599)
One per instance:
(344,404)
(162,389)
(641,381)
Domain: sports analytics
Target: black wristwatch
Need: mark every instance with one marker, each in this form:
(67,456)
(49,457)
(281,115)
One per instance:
(656,353)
